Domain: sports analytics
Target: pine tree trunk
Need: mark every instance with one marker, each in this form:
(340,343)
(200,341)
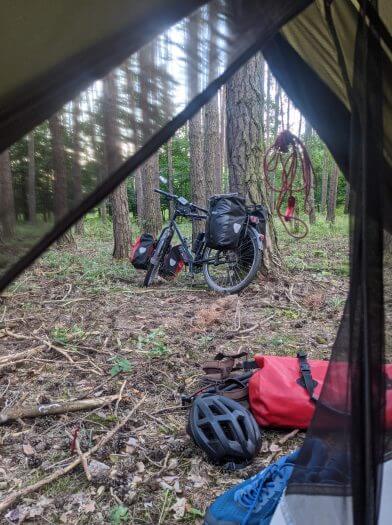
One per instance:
(60,193)
(223,153)
(119,197)
(278,91)
(76,162)
(30,184)
(139,197)
(211,143)
(152,217)
(324,182)
(268,107)
(170,174)
(7,204)
(311,205)
(244,134)
(333,186)
(347,199)
(196,161)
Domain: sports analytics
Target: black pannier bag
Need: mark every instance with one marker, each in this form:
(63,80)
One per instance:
(226,220)
(142,250)
(173,263)
(258,217)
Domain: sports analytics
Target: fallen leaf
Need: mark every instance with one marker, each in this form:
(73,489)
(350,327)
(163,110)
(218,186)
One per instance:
(179,508)
(140,467)
(88,507)
(274,447)
(28,450)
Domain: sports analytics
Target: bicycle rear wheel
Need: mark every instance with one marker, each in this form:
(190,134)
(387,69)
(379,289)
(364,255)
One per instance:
(231,271)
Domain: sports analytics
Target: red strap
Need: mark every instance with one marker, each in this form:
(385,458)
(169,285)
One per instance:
(289,213)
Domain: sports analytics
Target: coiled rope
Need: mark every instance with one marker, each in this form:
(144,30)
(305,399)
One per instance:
(287,159)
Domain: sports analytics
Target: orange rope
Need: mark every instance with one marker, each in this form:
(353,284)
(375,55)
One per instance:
(289,153)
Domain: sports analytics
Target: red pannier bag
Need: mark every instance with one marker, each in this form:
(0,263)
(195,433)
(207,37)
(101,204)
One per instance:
(142,250)
(172,264)
(278,396)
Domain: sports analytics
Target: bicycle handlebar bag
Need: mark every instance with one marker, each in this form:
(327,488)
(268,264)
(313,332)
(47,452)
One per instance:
(225,222)
(142,250)
(173,263)
(284,391)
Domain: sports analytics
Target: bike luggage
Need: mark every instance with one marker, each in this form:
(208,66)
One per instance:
(283,393)
(142,250)
(225,222)
(173,263)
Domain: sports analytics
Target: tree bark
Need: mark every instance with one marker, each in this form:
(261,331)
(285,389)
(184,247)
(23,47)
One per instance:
(324,182)
(76,162)
(333,186)
(139,197)
(170,173)
(60,193)
(223,154)
(311,210)
(268,107)
(30,184)
(7,204)
(119,197)
(244,134)
(278,91)
(347,199)
(151,217)
(288,114)
(196,161)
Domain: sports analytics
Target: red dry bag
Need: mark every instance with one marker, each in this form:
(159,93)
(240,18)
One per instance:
(283,393)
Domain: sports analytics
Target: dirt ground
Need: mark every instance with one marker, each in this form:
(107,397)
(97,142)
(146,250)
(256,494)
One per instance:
(95,332)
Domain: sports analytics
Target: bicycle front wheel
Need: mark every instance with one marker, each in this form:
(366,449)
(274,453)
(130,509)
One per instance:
(230,271)
(157,258)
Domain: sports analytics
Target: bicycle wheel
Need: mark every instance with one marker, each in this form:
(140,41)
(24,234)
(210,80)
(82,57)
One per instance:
(231,271)
(157,258)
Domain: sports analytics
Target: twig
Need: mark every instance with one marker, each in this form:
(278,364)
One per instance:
(288,436)
(119,397)
(55,408)
(8,360)
(82,459)
(16,495)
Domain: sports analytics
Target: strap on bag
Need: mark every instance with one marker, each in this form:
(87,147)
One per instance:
(306,380)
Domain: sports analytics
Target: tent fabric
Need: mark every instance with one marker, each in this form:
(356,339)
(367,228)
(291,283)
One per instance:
(52,50)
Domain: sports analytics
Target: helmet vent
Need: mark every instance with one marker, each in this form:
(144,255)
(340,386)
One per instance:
(228,430)
(216,410)
(207,431)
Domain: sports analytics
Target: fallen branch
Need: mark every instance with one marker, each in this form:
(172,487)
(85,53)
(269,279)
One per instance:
(17,494)
(8,360)
(288,436)
(56,408)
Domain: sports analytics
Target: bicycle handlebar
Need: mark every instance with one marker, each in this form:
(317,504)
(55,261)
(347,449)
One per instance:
(166,194)
(176,198)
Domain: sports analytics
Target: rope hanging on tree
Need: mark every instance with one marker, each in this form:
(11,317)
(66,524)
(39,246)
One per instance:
(289,159)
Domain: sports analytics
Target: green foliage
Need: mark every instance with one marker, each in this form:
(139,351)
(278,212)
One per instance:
(120,366)
(64,336)
(118,515)
(153,343)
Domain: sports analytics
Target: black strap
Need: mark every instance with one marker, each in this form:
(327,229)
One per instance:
(306,379)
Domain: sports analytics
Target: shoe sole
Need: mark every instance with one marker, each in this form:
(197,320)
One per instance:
(210,520)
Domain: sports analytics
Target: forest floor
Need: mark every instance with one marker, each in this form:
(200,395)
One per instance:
(96,332)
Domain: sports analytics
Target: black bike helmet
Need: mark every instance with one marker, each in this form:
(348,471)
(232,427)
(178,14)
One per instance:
(225,430)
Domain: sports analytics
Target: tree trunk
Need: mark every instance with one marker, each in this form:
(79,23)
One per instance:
(268,107)
(324,182)
(333,186)
(119,197)
(170,173)
(76,162)
(151,218)
(30,185)
(244,133)
(288,114)
(60,193)
(196,161)
(7,204)
(278,91)
(139,197)
(223,154)
(311,206)
(347,199)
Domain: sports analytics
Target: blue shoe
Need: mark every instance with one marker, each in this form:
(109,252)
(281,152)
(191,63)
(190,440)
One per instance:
(253,502)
